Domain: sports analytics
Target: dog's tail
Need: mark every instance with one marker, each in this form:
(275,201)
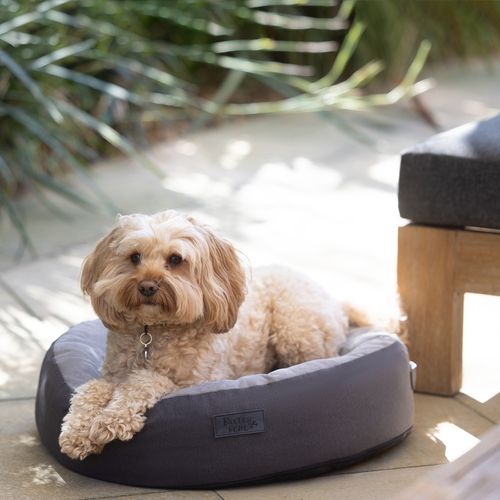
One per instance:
(393,321)
(357,316)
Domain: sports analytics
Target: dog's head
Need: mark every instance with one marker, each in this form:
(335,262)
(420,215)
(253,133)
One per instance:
(164,268)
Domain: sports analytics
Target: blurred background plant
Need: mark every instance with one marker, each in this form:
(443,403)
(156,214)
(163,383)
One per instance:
(456,30)
(79,79)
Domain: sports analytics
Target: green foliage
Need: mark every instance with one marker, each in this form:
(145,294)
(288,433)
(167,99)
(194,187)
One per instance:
(459,29)
(81,77)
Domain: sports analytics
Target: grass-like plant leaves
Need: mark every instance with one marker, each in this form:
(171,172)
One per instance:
(80,79)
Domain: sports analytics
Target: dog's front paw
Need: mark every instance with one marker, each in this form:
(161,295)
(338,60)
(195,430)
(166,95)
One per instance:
(108,427)
(77,446)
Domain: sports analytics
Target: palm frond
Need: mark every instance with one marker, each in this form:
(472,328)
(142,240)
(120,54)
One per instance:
(79,80)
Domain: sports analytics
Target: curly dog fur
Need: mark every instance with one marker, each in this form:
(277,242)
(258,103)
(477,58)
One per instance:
(187,285)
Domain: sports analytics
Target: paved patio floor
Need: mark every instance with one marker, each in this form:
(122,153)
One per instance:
(299,190)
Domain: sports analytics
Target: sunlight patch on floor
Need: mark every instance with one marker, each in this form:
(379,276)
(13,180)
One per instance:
(28,440)
(386,170)
(43,474)
(197,184)
(235,152)
(481,346)
(301,174)
(455,440)
(185,147)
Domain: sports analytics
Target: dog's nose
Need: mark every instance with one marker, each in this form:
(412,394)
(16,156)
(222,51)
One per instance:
(148,288)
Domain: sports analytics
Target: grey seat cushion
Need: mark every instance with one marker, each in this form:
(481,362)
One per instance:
(453,179)
(314,416)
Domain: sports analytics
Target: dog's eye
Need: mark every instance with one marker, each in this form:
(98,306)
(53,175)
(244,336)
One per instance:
(174,260)
(135,258)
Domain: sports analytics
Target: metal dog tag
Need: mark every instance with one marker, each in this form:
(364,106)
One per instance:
(145,339)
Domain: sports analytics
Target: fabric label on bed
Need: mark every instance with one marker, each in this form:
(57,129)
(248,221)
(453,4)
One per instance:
(236,424)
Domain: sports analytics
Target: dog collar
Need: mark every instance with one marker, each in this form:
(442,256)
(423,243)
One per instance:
(145,339)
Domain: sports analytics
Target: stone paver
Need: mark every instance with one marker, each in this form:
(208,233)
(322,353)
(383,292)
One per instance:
(27,471)
(443,430)
(24,340)
(296,190)
(381,485)
(178,495)
(50,287)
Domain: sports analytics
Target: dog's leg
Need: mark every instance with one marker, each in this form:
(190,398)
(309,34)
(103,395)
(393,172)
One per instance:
(306,336)
(305,322)
(87,402)
(124,415)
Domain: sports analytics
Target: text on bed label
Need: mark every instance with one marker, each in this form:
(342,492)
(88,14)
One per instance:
(235,424)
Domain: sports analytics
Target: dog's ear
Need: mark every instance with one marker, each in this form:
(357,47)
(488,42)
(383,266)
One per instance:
(92,269)
(111,318)
(223,283)
(94,263)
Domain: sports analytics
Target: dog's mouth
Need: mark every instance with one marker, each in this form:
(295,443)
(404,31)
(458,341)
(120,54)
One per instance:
(159,300)
(149,301)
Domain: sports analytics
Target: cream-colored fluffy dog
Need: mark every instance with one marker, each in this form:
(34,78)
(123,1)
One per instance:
(166,287)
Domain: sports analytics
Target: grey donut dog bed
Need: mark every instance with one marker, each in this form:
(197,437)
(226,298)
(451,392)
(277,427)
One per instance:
(293,422)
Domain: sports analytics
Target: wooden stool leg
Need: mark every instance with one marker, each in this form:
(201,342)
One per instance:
(427,261)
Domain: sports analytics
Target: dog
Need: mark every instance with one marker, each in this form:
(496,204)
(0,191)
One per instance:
(180,310)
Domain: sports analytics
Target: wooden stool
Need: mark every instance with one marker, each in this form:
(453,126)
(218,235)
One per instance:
(447,184)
